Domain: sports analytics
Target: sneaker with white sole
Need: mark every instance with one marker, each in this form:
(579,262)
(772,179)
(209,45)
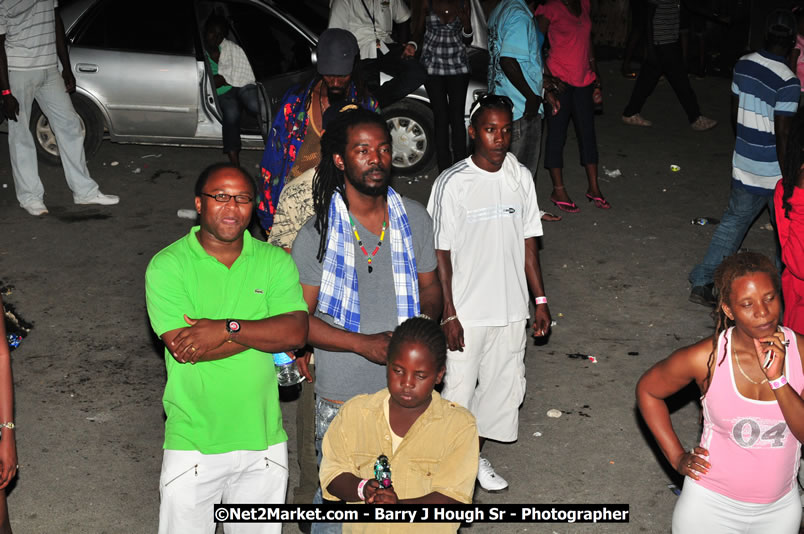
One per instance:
(488,479)
(36,209)
(100,198)
(637,120)
(701,124)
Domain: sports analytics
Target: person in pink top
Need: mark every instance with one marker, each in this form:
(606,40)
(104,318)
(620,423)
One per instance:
(788,204)
(742,475)
(570,73)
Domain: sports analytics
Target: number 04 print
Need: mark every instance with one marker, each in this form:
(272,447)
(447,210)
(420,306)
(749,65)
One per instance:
(746,432)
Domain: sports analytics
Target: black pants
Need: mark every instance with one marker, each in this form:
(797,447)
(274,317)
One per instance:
(408,75)
(668,60)
(576,104)
(448,99)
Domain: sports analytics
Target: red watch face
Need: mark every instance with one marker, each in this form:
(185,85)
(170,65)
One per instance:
(234,326)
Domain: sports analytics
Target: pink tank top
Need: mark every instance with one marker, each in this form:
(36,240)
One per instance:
(754,455)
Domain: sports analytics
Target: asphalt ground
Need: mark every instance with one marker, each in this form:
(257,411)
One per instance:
(90,375)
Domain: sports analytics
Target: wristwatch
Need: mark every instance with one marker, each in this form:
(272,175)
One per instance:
(232,327)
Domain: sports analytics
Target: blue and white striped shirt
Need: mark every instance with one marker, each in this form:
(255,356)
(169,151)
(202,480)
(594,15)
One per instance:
(765,87)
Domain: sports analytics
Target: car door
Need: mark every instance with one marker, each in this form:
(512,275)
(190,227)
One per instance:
(138,60)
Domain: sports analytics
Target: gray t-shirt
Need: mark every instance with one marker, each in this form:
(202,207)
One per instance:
(342,375)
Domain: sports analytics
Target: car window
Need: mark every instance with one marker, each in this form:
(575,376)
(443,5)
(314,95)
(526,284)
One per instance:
(273,46)
(154,26)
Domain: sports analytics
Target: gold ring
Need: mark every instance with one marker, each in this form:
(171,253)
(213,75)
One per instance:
(192,348)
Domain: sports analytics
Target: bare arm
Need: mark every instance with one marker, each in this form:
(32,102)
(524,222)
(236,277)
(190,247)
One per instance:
(659,382)
(207,339)
(533,273)
(513,72)
(8,445)
(790,401)
(781,126)
(452,328)
(63,52)
(430,294)
(373,347)
(10,105)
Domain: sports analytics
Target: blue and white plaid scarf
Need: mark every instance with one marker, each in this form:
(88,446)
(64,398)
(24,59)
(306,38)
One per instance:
(338,296)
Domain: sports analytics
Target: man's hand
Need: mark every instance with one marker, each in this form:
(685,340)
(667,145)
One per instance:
(409,51)
(11,107)
(532,107)
(383,496)
(541,320)
(303,364)
(454,331)
(220,81)
(375,347)
(552,101)
(202,336)
(8,458)
(69,80)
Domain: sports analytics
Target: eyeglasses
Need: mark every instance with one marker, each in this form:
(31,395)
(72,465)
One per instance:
(223,197)
(484,99)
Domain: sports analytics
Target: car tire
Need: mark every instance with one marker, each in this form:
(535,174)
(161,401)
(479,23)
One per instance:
(45,139)
(411,126)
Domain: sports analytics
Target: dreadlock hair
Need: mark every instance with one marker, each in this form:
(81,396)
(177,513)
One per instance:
(423,331)
(329,178)
(793,159)
(730,269)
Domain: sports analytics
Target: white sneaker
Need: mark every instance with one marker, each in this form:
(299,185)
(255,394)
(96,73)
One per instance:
(488,479)
(36,209)
(100,198)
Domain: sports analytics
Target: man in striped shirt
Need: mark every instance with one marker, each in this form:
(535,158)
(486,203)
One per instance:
(32,42)
(765,98)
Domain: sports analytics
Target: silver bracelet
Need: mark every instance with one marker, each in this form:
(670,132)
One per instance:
(424,316)
(448,319)
(10,425)
(467,35)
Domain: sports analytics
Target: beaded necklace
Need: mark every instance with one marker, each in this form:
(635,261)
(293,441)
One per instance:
(360,243)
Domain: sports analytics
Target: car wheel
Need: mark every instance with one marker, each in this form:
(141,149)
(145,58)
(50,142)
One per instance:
(411,126)
(91,127)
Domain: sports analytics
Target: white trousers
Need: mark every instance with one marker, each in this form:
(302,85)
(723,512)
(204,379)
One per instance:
(46,86)
(702,511)
(192,483)
(488,378)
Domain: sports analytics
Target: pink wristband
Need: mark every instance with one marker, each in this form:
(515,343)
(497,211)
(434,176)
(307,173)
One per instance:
(5,92)
(360,487)
(540,300)
(779,382)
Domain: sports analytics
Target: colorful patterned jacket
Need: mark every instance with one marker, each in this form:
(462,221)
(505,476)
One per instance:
(284,140)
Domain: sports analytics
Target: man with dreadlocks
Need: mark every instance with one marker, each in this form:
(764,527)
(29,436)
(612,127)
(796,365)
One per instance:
(294,142)
(365,249)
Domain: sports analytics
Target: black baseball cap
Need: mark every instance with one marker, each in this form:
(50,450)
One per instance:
(336,52)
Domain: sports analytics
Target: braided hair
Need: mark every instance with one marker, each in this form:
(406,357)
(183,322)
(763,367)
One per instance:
(730,269)
(329,178)
(793,159)
(423,331)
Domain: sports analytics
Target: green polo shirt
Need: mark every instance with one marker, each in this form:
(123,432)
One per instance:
(229,404)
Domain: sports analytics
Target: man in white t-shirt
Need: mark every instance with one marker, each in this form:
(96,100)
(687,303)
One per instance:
(371,22)
(485,224)
(32,42)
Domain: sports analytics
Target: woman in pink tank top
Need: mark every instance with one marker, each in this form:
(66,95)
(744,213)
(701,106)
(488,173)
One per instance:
(742,476)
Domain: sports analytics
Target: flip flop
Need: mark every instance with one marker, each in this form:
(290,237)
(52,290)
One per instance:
(549,217)
(600,202)
(569,207)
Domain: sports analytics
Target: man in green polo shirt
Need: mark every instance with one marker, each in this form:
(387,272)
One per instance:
(222,302)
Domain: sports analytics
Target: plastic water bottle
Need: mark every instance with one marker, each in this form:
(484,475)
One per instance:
(287,372)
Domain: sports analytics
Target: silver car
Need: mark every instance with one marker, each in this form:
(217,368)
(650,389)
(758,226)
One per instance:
(142,75)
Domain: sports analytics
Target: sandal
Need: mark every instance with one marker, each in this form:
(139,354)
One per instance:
(600,202)
(569,207)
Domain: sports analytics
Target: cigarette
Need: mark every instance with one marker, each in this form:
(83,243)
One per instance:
(768,359)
